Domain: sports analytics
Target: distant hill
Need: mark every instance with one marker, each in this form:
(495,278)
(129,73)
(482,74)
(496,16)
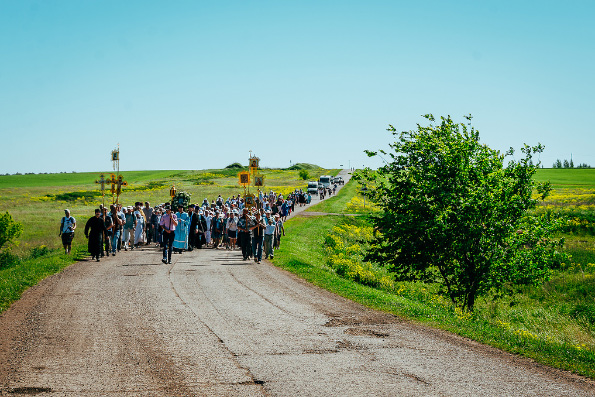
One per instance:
(304,166)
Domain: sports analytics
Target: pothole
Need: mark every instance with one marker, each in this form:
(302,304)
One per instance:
(365,332)
(30,390)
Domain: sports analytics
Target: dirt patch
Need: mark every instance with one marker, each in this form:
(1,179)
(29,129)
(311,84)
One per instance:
(365,332)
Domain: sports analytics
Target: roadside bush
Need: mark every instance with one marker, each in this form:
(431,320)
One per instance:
(9,229)
(8,259)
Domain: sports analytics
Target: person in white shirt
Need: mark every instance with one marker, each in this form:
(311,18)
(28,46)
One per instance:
(67,226)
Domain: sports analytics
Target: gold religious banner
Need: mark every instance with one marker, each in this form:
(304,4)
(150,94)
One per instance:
(244,178)
(259,180)
(254,162)
(250,201)
(121,183)
(113,182)
(115,155)
(172,191)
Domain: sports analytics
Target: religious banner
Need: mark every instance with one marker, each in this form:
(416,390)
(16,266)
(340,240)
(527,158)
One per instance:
(250,200)
(244,178)
(121,183)
(102,181)
(259,180)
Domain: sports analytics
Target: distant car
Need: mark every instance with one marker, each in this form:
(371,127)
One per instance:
(313,187)
(339,180)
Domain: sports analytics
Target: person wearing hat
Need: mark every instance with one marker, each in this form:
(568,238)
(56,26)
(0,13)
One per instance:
(168,223)
(67,226)
(279,232)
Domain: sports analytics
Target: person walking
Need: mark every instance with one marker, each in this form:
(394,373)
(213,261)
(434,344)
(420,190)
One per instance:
(280,232)
(94,230)
(148,212)
(269,234)
(139,236)
(257,237)
(217,226)
(193,228)
(181,232)
(67,226)
(107,235)
(244,240)
(232,229)
(168,223)
(201,227)
(155,225)
(129,226)
(116,227)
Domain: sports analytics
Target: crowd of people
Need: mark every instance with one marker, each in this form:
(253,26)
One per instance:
(229,224)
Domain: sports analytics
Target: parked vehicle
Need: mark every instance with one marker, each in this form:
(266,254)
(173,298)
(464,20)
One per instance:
(339,180)
(312,187)
(325,180)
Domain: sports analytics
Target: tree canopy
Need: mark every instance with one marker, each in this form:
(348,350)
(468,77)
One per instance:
(453,212)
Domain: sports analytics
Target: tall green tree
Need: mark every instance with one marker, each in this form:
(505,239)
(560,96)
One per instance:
(454,213)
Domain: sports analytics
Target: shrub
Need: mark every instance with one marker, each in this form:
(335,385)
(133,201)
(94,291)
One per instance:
(9,229)
(8,259)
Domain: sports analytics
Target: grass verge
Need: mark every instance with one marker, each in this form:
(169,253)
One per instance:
(17,277)
(527,327)
(554,323)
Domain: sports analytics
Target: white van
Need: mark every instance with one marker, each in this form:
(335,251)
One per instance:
(313,187)
(325,180)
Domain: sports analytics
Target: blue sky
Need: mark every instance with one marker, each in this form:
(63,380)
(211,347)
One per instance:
(198,84)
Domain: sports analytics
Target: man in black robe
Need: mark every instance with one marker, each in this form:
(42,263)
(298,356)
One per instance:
(94,230)
(192,231)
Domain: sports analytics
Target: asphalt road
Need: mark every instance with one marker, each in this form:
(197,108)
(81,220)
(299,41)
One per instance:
(213,324)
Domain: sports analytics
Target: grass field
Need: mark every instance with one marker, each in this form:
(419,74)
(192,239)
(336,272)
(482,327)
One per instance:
(567,177)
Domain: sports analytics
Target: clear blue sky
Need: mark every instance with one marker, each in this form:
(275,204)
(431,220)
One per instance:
(197,84)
